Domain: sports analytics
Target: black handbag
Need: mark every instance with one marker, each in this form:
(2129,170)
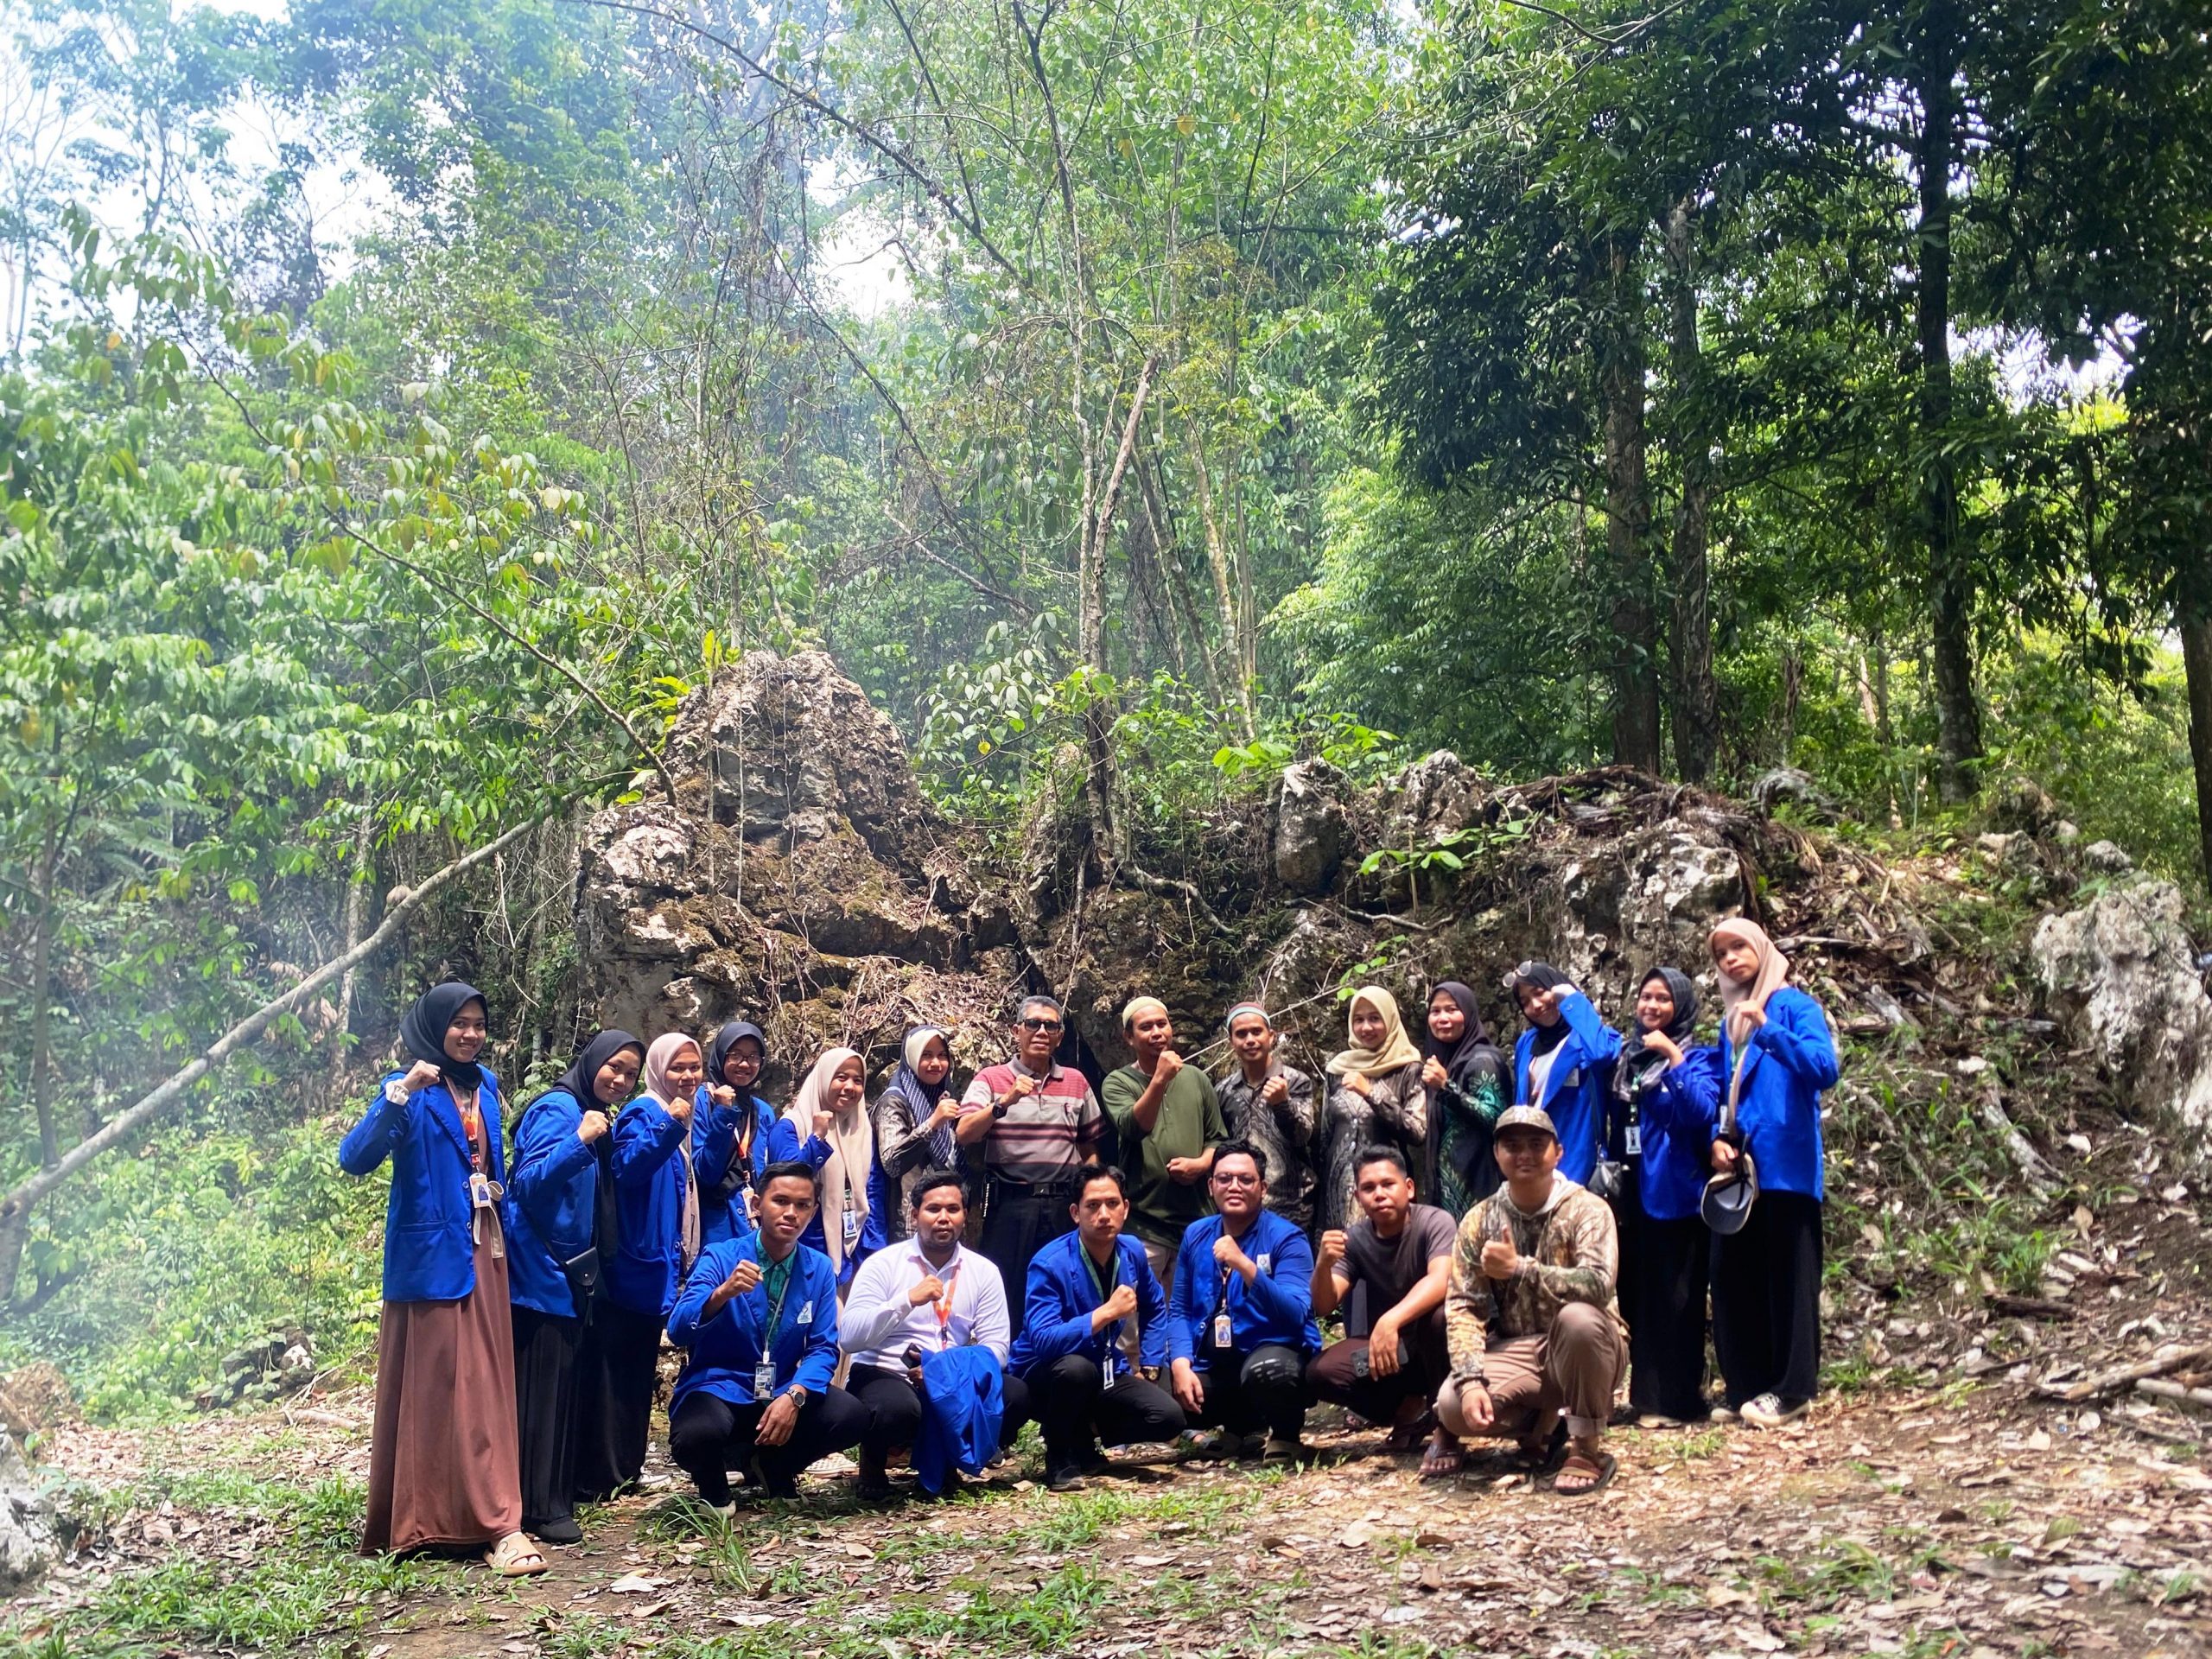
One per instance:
(582,1273)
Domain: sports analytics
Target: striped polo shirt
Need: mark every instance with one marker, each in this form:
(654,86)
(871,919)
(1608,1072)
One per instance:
(1043,1137)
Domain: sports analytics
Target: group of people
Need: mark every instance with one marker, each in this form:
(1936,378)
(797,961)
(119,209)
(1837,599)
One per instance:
(1506,1240)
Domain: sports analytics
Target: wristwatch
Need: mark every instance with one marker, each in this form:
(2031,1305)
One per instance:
(796,1393)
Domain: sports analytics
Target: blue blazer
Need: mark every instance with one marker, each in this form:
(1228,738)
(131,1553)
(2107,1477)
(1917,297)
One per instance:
(963,1408)
(714,1144)
(725,1349)
(1575,1093)
(648,1265)
(1790,1062)
(1675,1119)
(784,1148)
(552,1205)
(1277,1306)
(1061,1298)
(430,1232)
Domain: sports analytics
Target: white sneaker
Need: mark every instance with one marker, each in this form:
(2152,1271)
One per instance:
(1721,1414)
(1767,1411)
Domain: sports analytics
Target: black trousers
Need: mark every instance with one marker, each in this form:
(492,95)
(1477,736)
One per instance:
(895,1409)
(545,1414)
(618,1367)
(1766,1301)
(1075,1413)
(1019,1221)
(1330,1375)
(1246,1393)
(1664,1268)
(708,1437)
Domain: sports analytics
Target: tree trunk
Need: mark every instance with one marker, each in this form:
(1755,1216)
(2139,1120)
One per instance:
(2196,659)
(1628,517)
(1697,703)
(1232,626)
(49,1144)
(1950,565)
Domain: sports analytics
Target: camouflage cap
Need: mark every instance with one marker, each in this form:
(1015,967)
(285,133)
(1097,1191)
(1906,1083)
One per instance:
(1523,1117)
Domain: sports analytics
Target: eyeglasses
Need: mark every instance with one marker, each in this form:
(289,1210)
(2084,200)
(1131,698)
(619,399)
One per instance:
(1039,1024)
(1239,1179)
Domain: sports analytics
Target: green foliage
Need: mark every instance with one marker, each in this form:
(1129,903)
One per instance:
(218,1231)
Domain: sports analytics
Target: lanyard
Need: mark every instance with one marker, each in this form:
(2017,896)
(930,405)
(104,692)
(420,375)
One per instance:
(943,1307)
(778,1294)
(472,1127)
(1106,1283)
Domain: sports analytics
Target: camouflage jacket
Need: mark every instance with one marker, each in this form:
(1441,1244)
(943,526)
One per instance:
(1569,1251)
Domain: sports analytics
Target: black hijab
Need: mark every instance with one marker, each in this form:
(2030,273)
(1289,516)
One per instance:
(726,1038)
(1544,977)
(581,1078)
(1476,1035)
(423,1031)
(1638,1067)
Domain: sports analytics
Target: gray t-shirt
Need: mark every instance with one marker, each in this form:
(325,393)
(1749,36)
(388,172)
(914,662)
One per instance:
(1381,1271)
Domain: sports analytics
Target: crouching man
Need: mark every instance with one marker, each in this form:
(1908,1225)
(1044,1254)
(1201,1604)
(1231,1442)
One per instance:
(1534,1332)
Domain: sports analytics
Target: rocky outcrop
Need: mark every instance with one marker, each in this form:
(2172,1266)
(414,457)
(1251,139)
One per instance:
(801,880)
(1309,828)
(27,1548)
(2120,974)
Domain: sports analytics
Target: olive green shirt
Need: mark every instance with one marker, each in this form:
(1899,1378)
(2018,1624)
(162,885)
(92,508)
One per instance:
(1161,1207)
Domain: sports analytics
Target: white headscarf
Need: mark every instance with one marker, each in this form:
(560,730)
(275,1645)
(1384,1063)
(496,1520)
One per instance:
(852,1148)
(658,1057)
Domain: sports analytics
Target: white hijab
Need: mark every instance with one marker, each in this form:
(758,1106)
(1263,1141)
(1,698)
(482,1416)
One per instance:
(852,1148)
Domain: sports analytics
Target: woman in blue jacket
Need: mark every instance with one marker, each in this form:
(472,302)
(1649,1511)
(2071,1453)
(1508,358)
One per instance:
(1766,1278)
(656,1237)
(1664,1092)
(443,1466)
(560,1227)
(1563,1062)
(730,1128)
(830,1111)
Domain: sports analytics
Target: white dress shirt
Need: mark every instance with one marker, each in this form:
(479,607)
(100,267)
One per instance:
(877,1323)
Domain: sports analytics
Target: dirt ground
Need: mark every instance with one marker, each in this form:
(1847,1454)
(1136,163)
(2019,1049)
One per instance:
(1966,1521)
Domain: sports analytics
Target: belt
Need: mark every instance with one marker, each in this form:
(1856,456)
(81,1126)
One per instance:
(1058,1186)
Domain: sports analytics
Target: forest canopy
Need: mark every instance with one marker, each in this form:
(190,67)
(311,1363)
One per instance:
(404,406)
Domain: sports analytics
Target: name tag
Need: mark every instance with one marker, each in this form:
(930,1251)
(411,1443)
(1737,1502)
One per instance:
(1264,1263)
(480,1190)
(805,1315)
(1572,1080)
(1223,1336)
(764,1379)
(852,1220)
(1106,1369)
(1634,1139)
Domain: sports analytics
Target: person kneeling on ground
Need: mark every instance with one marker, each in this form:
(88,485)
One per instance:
(1082,1286)
(1389,1270)
(911,1302)
(759,1316)
(1534,1330)
(1240,1322)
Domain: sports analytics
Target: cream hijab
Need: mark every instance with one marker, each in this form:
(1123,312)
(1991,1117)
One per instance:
(1773,975)
(1396,1049)
(852,1147)
(658,1059)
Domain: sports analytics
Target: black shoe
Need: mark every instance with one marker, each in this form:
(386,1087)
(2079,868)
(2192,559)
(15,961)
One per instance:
(875,1482)
(1064,1478)
(1095,1462)
(563,1531)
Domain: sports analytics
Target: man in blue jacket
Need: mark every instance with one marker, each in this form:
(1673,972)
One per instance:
(1082,1286)
(759,1316)
(1241,1326)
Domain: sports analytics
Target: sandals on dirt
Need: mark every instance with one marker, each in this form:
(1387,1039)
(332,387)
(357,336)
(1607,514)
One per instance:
(515,1557)
(1442,1459)
(1598,1474)
(1409,1436)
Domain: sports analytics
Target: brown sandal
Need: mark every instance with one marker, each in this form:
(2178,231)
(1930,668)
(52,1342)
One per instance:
(1443,1458)
(1599,1473)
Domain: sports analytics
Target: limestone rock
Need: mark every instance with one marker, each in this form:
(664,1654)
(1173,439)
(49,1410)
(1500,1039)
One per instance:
(1786,784)
(1309,841)
(27,1542)
(35,1397)
(1430,798)
(2105,858)
(2120,975)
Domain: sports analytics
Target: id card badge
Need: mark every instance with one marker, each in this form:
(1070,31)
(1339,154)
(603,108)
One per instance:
(852,1226)
(764,1379)
(1222,1335)
(1106,1371)
(1633,1140)
(480,1190)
